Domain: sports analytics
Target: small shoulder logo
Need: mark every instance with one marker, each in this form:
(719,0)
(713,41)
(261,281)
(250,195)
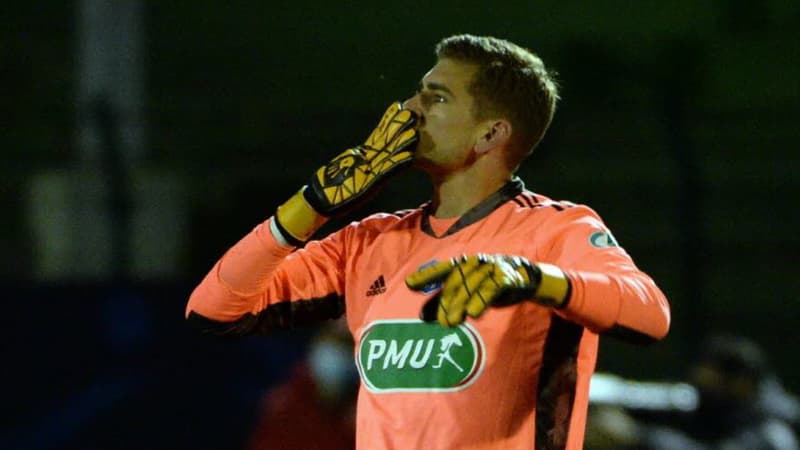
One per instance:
(377,287)
(602,239)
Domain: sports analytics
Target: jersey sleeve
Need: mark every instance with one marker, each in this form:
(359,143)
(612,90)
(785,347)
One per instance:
(259,285)
(609,294)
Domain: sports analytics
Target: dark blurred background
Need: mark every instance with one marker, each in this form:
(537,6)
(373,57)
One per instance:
(141,139)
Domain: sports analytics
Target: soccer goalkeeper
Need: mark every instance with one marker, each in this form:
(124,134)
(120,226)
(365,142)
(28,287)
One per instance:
(475,316)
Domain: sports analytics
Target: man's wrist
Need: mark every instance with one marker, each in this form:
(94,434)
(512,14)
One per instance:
(296,220)
(279,235)
(552,286)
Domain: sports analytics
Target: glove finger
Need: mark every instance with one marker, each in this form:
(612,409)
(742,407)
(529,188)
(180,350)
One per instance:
(451,305)
(378,137)
(467,277)
(405,140)
(403,121)
(389,165)
(430,274)
(473,289)
(462,265)
(377,152)
(363,175)
(380,129)
(485,294)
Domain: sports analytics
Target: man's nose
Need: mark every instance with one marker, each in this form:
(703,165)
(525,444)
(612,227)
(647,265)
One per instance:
(413,105)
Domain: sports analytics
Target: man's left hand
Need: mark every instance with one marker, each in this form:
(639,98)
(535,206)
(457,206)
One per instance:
(470,284)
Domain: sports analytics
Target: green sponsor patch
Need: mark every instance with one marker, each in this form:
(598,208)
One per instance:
(411,355)
(601,239)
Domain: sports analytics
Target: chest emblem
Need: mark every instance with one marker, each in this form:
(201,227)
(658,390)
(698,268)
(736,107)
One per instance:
(415,356)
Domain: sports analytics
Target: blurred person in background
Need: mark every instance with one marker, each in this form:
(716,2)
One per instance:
(316,407)
(741,405)
(521,285)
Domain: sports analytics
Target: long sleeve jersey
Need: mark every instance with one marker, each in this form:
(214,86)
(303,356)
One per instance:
(515,378)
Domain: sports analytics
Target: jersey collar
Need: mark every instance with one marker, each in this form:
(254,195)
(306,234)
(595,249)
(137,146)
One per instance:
(478,212)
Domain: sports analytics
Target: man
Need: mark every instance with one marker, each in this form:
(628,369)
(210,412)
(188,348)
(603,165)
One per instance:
(519,284)
(322,390)
(735,409)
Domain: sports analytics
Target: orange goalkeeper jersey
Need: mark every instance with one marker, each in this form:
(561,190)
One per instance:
(516,378)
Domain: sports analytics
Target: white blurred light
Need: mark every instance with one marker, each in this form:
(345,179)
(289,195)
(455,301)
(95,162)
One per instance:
(610,389)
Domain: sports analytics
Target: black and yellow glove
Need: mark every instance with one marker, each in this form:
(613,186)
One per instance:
(351,177)
(470,284)
(342,183)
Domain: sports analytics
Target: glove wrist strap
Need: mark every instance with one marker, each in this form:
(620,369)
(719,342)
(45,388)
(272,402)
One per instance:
(313,194)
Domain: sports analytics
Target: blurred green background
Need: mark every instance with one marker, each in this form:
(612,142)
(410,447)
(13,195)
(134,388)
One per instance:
(678,124)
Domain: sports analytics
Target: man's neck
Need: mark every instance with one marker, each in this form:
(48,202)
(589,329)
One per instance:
(456,193)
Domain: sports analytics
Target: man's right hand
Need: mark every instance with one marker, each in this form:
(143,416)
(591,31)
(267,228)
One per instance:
(351,177)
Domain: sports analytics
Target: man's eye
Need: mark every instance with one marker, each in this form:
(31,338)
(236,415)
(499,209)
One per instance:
(429,98)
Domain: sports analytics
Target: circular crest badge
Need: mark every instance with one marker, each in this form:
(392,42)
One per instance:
(602,239)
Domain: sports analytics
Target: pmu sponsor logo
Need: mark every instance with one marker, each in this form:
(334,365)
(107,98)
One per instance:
(415,356)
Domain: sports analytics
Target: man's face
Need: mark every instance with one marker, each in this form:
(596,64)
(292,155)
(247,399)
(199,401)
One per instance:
(720,390)
(448,130)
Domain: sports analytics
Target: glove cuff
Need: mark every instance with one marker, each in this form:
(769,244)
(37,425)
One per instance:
(297,220)
(549,284)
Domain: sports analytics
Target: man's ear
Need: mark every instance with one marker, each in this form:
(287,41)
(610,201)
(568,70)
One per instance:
(495,134)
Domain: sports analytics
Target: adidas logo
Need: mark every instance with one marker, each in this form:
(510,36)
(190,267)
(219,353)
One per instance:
(377,287)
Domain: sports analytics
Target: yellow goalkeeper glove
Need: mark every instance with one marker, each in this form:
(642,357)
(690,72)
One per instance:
(351,177)
(470,284)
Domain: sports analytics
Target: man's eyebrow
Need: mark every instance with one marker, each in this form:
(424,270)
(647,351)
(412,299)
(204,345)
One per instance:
(437,87)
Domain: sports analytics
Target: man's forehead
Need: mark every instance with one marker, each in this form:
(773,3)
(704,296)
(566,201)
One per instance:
(453,74)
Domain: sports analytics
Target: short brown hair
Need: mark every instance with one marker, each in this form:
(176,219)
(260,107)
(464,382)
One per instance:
(511,82)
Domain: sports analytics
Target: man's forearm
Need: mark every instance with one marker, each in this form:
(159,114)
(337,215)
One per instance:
(242,273)
(626,303)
